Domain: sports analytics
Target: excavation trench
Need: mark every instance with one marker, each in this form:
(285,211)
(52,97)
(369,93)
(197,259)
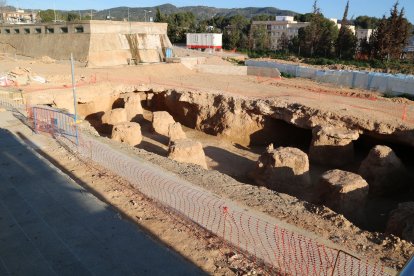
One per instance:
(236,131)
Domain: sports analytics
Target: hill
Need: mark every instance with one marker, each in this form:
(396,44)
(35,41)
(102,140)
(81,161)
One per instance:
(201,12)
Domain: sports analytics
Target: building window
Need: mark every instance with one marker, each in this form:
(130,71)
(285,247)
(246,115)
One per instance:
(7,31)
(50,30)
(16,31)
(79,29)
(27,31)
(64,30)
(38,30)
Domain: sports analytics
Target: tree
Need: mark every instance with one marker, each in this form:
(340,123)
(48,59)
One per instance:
(380,40)
(283,44)
(317,39)
(159,16)
(3,4)
(236,32)
(391,36)
(366,22)
(72,16)
(345,45)
(260,37)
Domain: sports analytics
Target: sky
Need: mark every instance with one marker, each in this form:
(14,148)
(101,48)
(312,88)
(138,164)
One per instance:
(330,8)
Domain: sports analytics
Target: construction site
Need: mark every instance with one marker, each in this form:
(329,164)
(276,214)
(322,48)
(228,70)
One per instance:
(239,170)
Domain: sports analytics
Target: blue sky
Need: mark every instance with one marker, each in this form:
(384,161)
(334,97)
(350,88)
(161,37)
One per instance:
(331,8)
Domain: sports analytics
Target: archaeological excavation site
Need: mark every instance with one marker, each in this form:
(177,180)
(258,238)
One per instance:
(290,175)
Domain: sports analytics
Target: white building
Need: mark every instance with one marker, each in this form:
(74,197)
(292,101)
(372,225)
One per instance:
(18,17)
(364,34)
(288,26)
(283,25)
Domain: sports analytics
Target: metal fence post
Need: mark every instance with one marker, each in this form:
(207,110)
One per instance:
(35,119)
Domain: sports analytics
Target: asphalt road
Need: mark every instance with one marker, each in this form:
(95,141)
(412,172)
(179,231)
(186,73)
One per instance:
(49,225)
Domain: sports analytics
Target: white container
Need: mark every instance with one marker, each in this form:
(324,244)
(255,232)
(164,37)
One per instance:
(204,41)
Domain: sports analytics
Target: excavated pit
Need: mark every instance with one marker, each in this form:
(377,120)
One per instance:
(235,131)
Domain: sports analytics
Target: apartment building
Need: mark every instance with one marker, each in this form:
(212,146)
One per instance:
(18,17)
(288,26)
(364,34)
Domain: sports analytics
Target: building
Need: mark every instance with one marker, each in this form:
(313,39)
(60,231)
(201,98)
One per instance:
(364,34)
(288,26)
(204,41)
(409,49)
(18,17)
(282,25)
(98,43)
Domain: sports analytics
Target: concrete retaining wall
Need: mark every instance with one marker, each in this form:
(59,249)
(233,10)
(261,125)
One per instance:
(100,43)
(238,70)
(388,83)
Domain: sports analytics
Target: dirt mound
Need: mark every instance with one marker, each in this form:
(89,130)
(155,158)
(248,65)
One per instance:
(187,151)
(384,171)
(401,221)
(115,116)
(345,193)
(129,133)
(284,170)
(161,122)
(175,132)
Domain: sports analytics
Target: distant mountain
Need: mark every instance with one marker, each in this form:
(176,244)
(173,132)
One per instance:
(201,12)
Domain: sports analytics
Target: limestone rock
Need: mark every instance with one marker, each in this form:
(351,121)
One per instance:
(284,170)
(115,116)
(384,171)
(161,121)
(187,151)
(401,221)
(133,106)
(332,146)
(175,132)
(128,132)
(344,192)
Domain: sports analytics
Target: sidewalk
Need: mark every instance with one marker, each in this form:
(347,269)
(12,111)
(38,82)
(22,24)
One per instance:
(49,225)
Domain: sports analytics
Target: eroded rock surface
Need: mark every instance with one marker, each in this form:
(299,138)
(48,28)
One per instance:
(284,170)
(115,116)
(175,132)
(401,221)
(384,171)
(187,151)
(161,122)
(345,193)
(332,146)
(128,132)
(133,106)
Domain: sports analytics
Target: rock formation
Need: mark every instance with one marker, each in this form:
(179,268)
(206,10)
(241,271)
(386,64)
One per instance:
(384,171)
(344,192)
(175,132)
(128,132)
(115,116)
(133,106)
(332,146)
(284,170)
(187,151)
(161,122)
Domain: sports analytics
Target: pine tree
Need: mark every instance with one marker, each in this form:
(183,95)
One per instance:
(346,42)
(391,36)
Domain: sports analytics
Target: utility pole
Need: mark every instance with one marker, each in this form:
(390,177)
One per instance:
(74,98)
(128,14)
(54,10)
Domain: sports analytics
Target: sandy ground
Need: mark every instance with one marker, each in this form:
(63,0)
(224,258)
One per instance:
(322,221)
